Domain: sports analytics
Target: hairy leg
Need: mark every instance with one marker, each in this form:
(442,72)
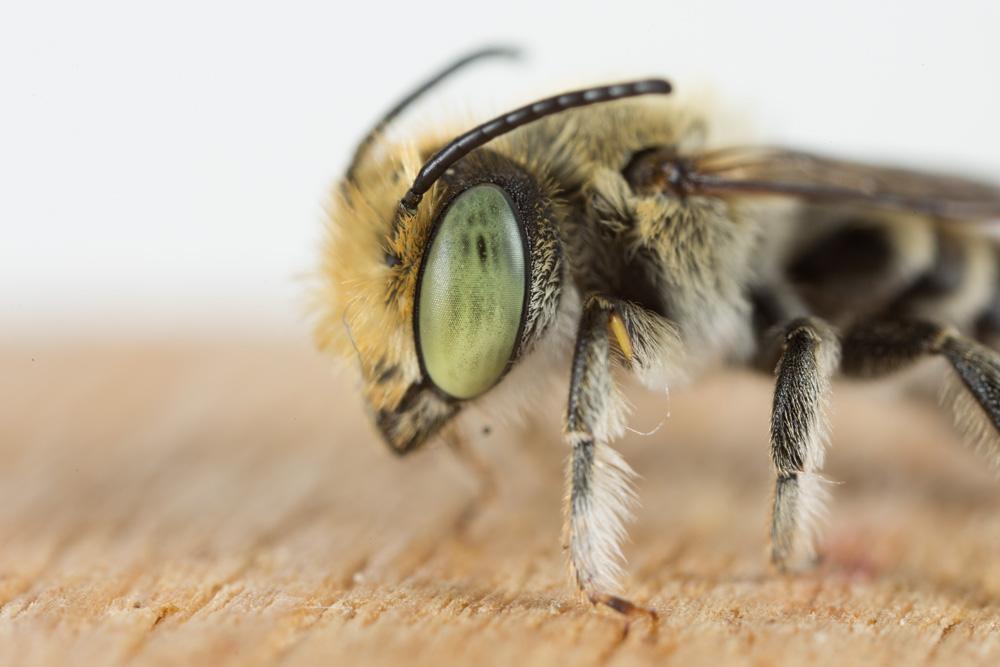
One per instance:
(868,350)
(880,347)
(600,497)
(798,436)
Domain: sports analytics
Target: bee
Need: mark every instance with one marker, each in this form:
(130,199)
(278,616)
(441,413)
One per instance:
(599,232)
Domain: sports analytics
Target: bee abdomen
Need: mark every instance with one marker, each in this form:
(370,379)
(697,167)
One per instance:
(960,288)
(869,267)
(858,266)
(854,251)
(987,325)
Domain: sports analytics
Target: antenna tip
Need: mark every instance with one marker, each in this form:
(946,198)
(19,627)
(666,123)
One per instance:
(654,86)
(501,51)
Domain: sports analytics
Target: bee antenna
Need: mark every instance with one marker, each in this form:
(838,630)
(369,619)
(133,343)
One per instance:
(482,134)
(365,144)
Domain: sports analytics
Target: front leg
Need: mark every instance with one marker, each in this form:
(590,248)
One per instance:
(798,433)
(601,496)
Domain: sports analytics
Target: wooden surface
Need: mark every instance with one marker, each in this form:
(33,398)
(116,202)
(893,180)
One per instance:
(223,502)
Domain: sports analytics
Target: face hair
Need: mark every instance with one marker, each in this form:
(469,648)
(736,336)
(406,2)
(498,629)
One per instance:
(365,144)
(482,134)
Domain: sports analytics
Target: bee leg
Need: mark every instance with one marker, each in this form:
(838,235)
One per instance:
(798,434)
(882,346)
(486,487)
(600,496)
(978,367)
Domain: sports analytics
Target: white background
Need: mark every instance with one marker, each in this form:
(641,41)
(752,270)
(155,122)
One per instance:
(163,165)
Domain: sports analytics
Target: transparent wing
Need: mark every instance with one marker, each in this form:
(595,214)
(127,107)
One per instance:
(775,171)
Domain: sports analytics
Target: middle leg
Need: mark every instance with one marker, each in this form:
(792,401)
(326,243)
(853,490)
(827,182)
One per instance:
(809,358)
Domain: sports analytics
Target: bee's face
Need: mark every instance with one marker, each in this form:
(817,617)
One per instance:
(439,305)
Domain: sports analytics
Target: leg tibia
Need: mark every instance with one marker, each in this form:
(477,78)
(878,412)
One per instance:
(798,437)
(975,398)
(601,502)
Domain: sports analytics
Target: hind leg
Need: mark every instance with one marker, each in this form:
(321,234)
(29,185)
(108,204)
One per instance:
(880,347)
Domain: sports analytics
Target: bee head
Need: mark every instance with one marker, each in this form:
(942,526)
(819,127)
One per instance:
(438,304)
(443,265)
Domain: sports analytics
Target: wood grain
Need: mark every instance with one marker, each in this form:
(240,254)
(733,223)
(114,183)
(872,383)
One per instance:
(225,502)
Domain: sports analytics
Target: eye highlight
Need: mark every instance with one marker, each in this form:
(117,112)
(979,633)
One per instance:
(471,293)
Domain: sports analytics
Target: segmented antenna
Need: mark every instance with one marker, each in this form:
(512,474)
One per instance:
(365,144)
(476,137)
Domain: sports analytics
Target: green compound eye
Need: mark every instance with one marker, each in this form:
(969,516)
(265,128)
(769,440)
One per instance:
(471,293)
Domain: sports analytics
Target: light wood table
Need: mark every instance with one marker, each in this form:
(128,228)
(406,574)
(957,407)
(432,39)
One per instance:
(226,502)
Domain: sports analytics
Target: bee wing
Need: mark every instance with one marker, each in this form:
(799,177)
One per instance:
(773,171)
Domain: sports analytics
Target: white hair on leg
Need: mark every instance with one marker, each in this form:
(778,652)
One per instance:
(801,494)
(814,493)
(811,517)
(972,422)
(601,501)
